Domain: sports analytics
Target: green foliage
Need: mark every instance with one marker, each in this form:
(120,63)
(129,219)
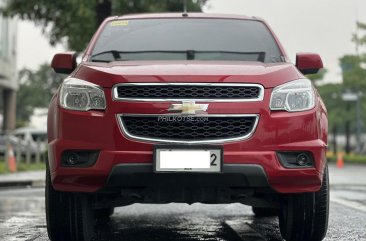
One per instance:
(360,40)
(317,76)
(22,167)
(3,167)
(76,20)
(359,159)
(36,89)
(337,108)
(354,76)
(354,80)
(124,7)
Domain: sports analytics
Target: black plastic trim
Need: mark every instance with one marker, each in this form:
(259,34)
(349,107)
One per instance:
(282,155)
(142,175)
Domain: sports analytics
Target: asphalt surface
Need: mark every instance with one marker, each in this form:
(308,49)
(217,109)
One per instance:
(22,218)
(22,215)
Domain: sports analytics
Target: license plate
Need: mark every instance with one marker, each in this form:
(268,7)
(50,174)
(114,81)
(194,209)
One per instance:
(178,159)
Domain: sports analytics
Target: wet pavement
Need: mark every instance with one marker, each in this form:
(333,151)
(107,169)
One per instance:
(22,218)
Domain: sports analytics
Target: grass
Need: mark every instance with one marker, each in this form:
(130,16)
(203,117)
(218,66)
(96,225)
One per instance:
(22,167)
(350,159)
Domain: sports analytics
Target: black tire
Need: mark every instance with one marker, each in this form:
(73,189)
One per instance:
(264,212)
(103,213)
(69,216)
(304,217)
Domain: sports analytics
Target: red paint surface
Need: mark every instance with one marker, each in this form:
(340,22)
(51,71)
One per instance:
(99,130)
(305,61)
(64,61)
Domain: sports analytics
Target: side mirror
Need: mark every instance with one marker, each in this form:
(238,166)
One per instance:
(308,63)
(64,63)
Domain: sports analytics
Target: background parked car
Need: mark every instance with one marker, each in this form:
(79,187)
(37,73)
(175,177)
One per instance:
(13,140)
(31,136)
(30,142)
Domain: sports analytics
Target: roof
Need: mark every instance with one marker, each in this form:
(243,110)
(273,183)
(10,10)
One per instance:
(180,15)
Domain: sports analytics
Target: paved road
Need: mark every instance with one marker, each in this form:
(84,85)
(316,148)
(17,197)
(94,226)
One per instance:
(22,218)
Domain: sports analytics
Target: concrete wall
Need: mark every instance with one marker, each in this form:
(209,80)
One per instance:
(8,70)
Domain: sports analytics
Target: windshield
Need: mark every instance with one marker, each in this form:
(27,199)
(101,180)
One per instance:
(186,39)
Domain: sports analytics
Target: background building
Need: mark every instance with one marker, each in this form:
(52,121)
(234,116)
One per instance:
(8,72)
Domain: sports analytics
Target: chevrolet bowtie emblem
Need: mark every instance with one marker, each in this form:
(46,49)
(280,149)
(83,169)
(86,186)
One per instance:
(188,107)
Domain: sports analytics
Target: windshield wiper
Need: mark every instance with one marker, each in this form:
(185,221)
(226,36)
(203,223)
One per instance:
(190,54)
(115,53)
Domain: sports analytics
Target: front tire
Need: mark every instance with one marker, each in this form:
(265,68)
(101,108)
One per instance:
(304,217)
(69,215)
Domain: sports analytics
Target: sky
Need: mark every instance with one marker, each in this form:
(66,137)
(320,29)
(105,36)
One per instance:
(321,26)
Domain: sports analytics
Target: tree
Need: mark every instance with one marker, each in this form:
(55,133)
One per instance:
(318,76)
(354,76)
(354,80)
(337,108)
(36,89)
(76,20)
(359,40)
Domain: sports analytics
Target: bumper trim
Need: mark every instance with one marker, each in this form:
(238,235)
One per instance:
(233,175)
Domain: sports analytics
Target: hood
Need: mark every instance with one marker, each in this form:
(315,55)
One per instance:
(109,74)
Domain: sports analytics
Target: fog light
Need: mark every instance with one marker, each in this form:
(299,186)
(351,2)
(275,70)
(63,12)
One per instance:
(302,159)
(73,158)
(296,159)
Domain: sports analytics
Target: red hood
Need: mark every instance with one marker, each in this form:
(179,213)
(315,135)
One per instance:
(108,74)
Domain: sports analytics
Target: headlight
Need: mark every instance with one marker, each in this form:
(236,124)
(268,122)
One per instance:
(297,95)
(81,95)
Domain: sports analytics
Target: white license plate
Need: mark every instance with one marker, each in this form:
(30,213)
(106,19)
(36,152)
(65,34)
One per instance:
(188,160)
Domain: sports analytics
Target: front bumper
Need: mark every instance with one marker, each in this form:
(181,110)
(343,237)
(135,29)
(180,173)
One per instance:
(113,165)
(276,131)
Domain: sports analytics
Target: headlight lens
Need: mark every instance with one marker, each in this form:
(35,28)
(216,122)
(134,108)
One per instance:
(81,95)
(297,95)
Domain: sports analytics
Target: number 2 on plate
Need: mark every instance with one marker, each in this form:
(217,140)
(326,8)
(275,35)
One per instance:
(213,159)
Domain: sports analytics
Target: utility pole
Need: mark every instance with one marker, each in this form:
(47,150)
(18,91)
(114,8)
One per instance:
(185,8)
(355,97)
(357,45)
(358,124)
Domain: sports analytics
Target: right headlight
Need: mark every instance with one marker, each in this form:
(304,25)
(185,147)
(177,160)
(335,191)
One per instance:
(297,95)
(81,95)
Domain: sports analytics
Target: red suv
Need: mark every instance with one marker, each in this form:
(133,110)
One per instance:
(187,108)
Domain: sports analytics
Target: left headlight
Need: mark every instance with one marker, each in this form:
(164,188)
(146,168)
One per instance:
(81,95)
(297,95)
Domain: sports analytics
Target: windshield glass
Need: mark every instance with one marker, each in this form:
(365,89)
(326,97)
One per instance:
(186,39)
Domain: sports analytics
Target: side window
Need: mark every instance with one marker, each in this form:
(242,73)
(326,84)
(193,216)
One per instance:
(40,136)
(20,136)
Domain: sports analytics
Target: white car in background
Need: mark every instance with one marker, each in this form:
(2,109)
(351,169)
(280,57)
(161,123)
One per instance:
(34,138)
(4,140)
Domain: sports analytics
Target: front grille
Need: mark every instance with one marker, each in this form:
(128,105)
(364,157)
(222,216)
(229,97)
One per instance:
(186,91)
(188,129)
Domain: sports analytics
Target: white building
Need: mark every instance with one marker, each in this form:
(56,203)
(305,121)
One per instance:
(8,71)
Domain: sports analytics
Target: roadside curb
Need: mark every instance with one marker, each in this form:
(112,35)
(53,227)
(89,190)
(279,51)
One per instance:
(243,230)
(25,183)
(23,179)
